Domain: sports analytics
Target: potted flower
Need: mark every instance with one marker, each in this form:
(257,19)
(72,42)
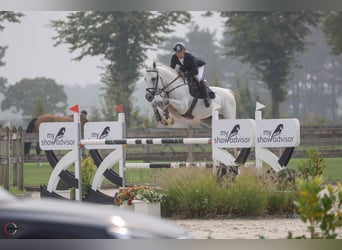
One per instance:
(144,199)
(125,196)
(147,200)
(148,194)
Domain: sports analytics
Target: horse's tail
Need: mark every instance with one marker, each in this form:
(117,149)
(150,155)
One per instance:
(30,126)
(29,129)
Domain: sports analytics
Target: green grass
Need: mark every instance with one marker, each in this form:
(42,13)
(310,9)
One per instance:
(35,174)
(38,174)
(332,172)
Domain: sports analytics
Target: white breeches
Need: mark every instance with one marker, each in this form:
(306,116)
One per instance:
(200,73)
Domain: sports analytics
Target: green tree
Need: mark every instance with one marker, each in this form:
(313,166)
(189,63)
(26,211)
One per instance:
(28,96)
(269,41)
(123,39)
(245,102)
(95,114)
(6,16)
(318,78)
(333,31)
(9,16)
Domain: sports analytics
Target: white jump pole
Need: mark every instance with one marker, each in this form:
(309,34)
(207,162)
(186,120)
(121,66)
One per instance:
(78,168)
(258,116)
(122,161)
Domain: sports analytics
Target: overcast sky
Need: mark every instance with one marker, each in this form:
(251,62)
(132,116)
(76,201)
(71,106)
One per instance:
(31,53)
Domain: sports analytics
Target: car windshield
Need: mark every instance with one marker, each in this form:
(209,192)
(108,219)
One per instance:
(5,195)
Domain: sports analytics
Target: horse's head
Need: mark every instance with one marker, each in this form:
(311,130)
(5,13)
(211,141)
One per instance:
(158,80)
(152,82)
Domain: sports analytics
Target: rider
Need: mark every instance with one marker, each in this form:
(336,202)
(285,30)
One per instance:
(191,67)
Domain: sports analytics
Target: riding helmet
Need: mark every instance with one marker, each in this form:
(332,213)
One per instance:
(178,46)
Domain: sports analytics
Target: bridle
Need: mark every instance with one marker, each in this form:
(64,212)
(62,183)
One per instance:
(163,91)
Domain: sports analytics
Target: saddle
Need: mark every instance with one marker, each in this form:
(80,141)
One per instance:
(195,91)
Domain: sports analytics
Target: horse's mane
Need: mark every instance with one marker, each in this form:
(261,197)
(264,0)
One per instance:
(162,67)
(167,68)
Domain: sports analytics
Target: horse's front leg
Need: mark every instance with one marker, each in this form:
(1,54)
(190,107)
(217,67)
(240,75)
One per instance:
(165,119)
(166,114)
(155,106)
(156,111)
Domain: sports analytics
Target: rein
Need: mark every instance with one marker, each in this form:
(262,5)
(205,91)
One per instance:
(163,89)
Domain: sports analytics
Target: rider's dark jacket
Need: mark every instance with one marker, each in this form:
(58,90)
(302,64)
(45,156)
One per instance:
(190,66)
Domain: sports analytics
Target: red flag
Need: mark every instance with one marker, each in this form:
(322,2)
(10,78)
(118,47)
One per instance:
(75,108)
(119,108)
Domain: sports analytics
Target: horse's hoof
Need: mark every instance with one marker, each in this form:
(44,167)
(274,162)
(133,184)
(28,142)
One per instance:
(171,121)
(164,122)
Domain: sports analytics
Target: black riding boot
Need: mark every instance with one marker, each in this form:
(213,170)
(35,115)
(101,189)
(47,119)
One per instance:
(204,90)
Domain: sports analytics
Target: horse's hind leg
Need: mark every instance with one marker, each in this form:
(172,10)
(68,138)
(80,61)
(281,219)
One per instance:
(27,147)
(38,149)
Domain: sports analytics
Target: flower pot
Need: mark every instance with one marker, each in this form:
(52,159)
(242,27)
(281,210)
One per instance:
(147,207)
(125,205)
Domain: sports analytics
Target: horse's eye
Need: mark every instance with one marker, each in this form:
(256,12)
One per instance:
(153,79)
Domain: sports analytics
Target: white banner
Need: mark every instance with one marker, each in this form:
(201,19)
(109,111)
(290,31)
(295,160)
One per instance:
(233,133)
(277,133)
(103,131)
(58,136)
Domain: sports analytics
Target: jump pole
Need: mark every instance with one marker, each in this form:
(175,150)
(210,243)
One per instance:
(144,141)
(258,116)
(78,162)
(122,162)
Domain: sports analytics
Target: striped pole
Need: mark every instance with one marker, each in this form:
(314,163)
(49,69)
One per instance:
(143,141)
(170,165)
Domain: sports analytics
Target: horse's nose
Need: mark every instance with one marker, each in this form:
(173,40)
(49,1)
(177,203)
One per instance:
(149,97)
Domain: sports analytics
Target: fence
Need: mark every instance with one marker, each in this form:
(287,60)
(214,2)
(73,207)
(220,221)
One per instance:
(326,139)
(11,157)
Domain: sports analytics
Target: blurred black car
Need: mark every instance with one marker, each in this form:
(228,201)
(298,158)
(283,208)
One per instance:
(58,219)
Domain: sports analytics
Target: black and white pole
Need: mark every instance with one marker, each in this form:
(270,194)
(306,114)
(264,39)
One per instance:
(143,141)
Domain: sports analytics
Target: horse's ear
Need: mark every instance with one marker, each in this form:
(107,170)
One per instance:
(154,65)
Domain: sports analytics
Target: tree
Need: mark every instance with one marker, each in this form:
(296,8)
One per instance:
(28,95)
(8,16)
(123,39)
(318,78)
(269,41)
(333,31)
(245,102)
